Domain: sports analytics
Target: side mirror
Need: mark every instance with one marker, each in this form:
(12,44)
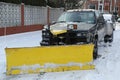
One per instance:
(101,20)
(53,22)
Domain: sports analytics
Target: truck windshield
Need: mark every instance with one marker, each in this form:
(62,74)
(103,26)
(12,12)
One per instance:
(77,16)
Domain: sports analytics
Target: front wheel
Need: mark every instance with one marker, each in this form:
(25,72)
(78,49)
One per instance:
(95,52)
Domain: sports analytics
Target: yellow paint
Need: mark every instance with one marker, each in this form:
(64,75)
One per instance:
(56,32)
(59,55)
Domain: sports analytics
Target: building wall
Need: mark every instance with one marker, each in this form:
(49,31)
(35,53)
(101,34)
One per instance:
(22,18)
(107,5)
(91,2)
(118,4)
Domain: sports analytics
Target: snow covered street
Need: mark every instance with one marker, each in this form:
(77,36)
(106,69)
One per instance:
(107,66)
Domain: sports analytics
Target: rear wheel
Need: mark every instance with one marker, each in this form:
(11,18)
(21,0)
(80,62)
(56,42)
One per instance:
(108,38)
(111,38)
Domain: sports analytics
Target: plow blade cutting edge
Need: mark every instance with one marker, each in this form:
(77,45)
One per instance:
(49,59)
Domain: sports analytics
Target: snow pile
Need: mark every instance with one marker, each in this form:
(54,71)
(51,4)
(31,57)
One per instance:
(42,68)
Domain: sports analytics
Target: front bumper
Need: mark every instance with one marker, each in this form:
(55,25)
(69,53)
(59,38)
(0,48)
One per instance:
(72,37)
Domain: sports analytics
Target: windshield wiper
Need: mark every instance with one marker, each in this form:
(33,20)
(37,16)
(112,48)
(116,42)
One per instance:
(61,21)
(76,21)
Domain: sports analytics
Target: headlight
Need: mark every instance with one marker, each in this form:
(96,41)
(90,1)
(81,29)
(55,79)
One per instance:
(82,34)
(72,26)
(46,27)
(79,34)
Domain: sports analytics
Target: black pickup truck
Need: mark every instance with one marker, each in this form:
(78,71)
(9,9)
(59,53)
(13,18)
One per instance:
(75,27)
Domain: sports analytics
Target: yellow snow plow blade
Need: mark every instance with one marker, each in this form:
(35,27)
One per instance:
(49,59)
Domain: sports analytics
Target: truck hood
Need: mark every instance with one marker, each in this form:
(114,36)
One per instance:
(63,26)
(59,28)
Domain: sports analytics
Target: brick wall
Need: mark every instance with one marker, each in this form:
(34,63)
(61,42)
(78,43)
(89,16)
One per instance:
(106,5)
(22,18)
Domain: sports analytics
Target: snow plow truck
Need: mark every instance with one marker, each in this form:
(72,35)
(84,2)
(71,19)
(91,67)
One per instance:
(70,43)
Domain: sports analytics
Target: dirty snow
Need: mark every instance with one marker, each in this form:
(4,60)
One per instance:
(107,66)
(25,68)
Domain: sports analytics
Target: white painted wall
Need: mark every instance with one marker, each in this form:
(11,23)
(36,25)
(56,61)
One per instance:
(10,14)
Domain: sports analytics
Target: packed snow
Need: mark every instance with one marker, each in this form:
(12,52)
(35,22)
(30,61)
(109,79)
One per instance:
(107,66)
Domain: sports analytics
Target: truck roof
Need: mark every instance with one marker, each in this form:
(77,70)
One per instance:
(72,10)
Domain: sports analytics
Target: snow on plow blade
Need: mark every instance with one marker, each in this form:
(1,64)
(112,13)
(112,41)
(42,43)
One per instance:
(49,59)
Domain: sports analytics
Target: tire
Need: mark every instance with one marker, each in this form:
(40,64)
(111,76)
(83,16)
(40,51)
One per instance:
(95,52)
(111,38)
(106,39)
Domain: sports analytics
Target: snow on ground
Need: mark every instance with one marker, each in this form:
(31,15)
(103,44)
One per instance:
(107,66)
